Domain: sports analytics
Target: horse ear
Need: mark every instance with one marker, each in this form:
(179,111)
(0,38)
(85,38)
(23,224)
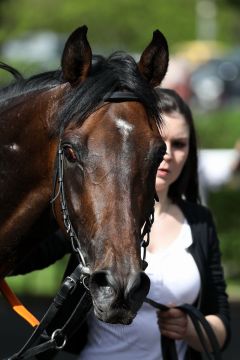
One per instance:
(76,57)
(153,63)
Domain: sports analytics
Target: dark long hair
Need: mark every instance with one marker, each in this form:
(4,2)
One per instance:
(186,186)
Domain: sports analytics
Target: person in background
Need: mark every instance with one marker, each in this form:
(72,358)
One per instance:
(184,260)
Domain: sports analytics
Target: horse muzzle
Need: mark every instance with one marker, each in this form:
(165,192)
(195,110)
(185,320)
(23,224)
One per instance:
(115,303)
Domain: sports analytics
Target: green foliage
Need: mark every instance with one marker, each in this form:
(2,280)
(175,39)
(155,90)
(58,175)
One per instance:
(218,129)
(235,3)
(26,70)
(42,282)
(225,206)
(233,289)
(113,24)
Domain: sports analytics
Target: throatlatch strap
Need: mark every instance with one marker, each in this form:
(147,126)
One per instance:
(16,304)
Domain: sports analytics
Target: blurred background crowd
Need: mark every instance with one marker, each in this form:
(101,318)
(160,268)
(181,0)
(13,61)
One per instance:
(204,41)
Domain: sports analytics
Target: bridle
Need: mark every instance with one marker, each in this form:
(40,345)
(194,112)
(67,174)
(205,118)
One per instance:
(75,242)
(116,96)
(59,175)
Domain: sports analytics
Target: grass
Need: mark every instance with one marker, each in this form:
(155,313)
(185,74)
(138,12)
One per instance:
(44,282)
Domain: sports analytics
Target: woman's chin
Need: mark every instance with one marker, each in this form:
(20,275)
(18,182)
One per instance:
(161,184)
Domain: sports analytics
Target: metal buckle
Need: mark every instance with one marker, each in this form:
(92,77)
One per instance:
(54,336)
(85,282)
(73,284)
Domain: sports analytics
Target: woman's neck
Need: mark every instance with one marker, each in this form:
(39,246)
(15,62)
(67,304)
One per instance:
(162,206)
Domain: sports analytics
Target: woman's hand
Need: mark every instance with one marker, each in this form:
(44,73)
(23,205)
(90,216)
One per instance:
(173,323)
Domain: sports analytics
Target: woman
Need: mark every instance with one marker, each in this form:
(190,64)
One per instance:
(183,258)
(195,275)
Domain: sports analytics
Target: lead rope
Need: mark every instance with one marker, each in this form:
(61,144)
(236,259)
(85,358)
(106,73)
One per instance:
(199,322)
(16,304)
(68,225)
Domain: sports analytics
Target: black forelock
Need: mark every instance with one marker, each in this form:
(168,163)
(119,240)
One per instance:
(118,72)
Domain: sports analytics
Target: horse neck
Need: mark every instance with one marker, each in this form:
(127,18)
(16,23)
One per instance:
(27,155)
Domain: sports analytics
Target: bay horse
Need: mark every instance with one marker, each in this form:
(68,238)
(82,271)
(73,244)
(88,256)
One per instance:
(92,129)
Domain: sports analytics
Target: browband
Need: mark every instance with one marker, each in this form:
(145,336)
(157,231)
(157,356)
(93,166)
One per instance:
(116,96)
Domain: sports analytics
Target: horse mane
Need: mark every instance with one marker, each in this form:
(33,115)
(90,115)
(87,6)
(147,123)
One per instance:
(22,86)
(117,72)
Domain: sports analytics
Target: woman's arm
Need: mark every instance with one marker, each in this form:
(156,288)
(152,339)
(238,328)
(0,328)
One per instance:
(218,327)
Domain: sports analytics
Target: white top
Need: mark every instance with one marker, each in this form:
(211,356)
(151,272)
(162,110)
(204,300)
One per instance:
(175,280)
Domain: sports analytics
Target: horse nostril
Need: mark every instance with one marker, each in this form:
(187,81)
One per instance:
(137,289)
(101,282)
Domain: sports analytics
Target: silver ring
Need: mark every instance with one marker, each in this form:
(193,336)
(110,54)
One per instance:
(56,333)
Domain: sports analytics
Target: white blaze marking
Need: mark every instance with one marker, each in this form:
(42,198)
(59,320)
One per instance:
(124,127)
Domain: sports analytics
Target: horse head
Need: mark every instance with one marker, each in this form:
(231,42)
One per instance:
(95,125)
(110,148)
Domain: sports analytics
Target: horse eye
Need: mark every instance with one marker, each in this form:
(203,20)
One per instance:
(70,154)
